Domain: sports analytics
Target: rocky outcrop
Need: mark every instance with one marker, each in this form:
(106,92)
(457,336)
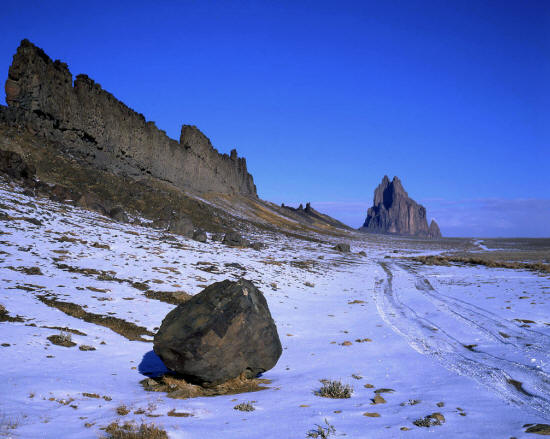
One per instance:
(395,213)
(311,216)
(93,126)
(221,333)
(433,231)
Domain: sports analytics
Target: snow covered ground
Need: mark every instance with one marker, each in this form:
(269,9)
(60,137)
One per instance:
(470,343)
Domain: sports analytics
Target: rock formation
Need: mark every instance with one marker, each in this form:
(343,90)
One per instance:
(222,332)
(434,231)
(395,213)
(93,126)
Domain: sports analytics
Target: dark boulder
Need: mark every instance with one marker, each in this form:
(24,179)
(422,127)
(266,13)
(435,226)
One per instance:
(200,235)
(117,213)
(217,237)
(182,226)
(342,247)
(91,201)
(258,246)
(12,164)
(233,239)
(222,332)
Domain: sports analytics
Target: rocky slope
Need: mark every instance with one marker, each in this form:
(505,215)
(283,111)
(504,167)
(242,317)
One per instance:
(74,142)
(95,127)
(395,213)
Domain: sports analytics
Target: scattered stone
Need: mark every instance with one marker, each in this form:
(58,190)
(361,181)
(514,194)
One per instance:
(220,333)
(362,253)
(234,239)
(342,247)
(378,400)
(12,164)
(117,213)
(309,284)
(199,235)
(217,237)
(258,246)
(181,226)
(430,420)
(62,340)
(84,347)
(371,415)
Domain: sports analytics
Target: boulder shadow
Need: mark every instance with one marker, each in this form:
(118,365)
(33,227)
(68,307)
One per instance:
(152,366)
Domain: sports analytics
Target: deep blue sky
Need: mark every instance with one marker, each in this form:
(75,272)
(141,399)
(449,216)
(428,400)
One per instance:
(323,98)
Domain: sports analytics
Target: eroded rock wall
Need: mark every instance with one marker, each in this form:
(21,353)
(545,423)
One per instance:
(91,124)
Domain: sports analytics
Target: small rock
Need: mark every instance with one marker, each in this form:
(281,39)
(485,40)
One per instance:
(233,239)
(371,415)
(217,237)
(342,247)
(199,235)
(258,246)
(117,213)
(309,284)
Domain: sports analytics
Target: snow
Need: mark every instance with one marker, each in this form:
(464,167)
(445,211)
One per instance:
(418,320)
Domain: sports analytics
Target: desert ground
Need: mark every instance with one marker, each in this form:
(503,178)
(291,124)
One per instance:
(443,338)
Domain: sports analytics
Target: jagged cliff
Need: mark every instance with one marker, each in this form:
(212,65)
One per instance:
(93,126)
(394,212)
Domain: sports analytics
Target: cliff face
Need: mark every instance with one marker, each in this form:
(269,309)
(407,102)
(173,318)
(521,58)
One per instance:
(92,125)
(394,212)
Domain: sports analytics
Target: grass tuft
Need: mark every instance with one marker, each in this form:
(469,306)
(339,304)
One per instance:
(129,430)
(334,389)
(244,407)
(322,432)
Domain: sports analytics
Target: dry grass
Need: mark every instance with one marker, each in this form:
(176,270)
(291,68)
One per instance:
(322,432)
(178,388)
(171,297)
(63,339)
(127,329)
(448,260)
(334,389)
(244,407)
(5,316)
(129,430)
(122,410)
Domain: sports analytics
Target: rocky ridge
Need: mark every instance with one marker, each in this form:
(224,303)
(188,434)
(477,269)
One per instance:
(394,212)
(93,126)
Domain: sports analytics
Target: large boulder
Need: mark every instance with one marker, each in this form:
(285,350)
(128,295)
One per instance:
(222,332)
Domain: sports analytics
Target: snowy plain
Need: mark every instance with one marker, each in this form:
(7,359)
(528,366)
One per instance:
(471,343)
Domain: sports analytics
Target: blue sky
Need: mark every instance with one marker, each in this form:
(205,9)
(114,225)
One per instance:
(324,98)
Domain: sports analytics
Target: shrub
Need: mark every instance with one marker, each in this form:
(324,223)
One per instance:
(245,407)
(334,389)
(129,430)
(322,432)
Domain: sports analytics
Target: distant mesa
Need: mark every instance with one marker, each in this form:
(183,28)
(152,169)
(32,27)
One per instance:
(393,212)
